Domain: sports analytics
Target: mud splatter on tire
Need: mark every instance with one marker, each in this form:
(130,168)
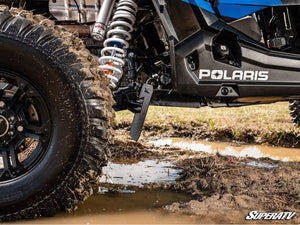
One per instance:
(79,70)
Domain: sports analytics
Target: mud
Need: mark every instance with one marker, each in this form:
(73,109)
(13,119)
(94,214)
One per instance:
(225,188)
(178,181)
(204,131)
(124,150)
(222,180)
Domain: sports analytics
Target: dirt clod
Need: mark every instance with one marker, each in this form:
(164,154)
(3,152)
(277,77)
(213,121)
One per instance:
(224,188)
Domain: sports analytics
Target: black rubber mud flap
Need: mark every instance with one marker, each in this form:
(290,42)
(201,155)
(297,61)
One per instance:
(139,118)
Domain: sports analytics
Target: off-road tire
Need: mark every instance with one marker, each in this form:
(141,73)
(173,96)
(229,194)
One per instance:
(80,98)
(295,112)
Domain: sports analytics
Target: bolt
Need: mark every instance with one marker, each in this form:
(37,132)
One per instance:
(12,118)
(2,104)
(193,66)
(225,91)
(20,128)
(11,133)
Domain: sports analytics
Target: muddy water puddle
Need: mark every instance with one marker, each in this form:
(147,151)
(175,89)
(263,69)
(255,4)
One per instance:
(142,207)
(226,149)
(138,174)
(120,199)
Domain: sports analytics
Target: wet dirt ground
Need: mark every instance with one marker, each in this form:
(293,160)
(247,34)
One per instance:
(176,180)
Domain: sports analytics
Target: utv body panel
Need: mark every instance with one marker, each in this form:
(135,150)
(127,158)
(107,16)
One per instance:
(241,8)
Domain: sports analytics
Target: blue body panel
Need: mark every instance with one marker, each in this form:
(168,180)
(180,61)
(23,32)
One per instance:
(240,8)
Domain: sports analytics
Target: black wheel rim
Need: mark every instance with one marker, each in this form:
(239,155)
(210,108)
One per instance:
(25,126)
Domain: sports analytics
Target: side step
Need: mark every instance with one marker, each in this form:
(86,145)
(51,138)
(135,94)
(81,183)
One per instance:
(139,118)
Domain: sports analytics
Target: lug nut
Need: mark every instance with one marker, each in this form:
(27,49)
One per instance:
(2,104)
(20,128)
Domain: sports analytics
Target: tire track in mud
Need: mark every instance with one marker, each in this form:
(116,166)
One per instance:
(223,188)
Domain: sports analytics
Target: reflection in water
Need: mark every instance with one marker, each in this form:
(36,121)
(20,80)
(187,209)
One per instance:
(262,164)
(255,151)
(143,207)
(145,172)
(119,199)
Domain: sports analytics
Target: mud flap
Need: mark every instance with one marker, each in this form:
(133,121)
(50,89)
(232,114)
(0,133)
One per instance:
(139,118)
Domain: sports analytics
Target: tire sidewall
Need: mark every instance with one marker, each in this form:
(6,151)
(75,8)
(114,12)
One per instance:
(65,107)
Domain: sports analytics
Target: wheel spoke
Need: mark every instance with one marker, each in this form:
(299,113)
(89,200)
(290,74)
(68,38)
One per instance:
(6,173)
(14,157)
(32,135)
(33,129)
(16,98)
(24,115)
(6,160)
(10,158)
(20,103)
(12,165)
(36,132)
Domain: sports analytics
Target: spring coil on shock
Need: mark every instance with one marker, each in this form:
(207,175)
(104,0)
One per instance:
(114,52)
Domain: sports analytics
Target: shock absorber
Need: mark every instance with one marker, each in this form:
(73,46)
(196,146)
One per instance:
(113,54)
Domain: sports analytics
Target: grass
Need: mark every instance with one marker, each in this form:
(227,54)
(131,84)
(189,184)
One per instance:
(271,123)
(268,117)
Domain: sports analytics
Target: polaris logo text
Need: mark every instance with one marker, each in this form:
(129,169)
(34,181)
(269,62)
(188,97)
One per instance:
(236,75)
(254,215)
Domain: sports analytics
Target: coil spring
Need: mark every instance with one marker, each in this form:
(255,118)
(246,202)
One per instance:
(114,52)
